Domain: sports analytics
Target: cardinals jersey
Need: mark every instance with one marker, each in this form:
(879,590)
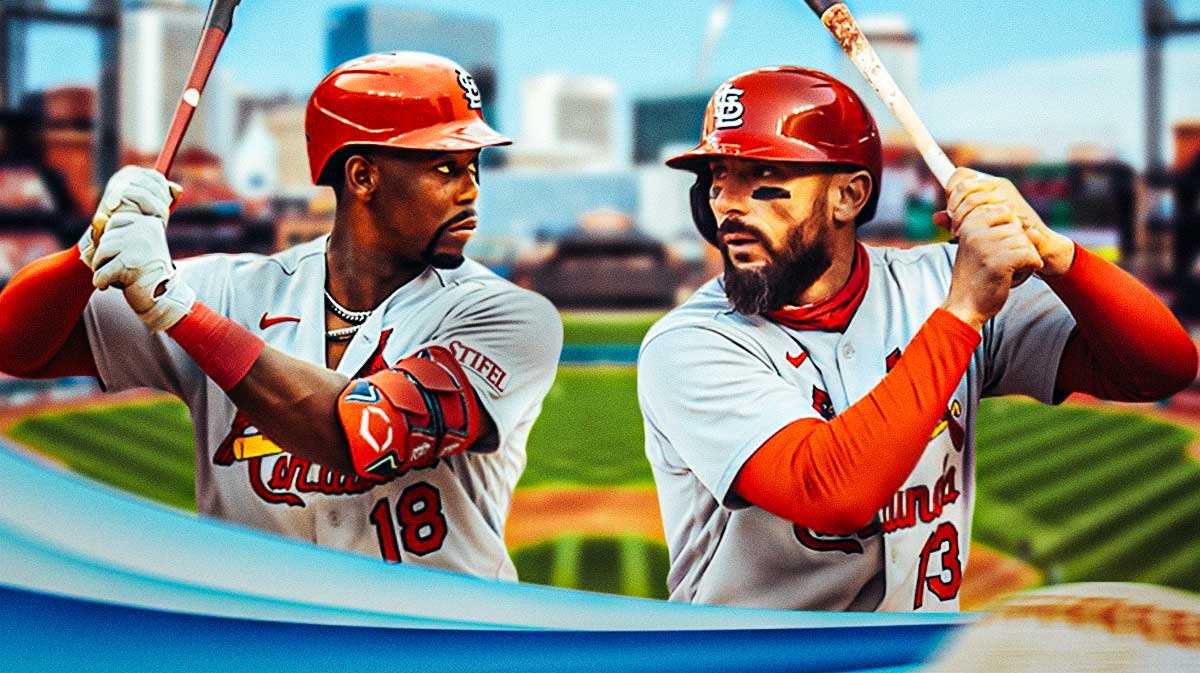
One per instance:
(715,385)
(449,515)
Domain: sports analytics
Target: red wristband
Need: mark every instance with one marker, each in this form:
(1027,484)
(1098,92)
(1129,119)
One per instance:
(224,349)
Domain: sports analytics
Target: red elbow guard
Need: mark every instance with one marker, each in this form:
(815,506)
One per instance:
(409,416)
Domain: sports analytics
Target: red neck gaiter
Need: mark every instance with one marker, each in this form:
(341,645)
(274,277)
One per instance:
(833,313)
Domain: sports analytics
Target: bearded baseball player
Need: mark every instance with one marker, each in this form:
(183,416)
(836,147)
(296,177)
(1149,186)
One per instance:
(810,414)
(371,390)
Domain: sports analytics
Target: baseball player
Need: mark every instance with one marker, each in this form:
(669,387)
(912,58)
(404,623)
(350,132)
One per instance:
(376,356)
(810,414)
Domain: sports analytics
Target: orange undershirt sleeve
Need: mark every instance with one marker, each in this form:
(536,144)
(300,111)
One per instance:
(41,325)
(1127,345)
(834,476)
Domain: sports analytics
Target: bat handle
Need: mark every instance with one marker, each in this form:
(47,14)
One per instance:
(939,164)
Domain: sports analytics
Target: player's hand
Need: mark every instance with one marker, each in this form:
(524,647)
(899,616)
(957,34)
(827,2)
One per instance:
(161,299)
(968,189)
(131,246)
(134,190)
(992,248)
(133,255)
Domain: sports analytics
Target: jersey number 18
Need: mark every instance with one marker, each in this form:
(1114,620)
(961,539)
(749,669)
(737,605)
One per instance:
(422,526)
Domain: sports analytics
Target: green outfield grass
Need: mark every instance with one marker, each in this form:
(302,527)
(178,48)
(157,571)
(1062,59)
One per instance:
(590,431)
(143,448)
(626,565)
(587,327)
(1088,494)
(1082,493)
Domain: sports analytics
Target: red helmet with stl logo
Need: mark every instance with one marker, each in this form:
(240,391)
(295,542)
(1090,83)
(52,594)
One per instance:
(783,114)
(408,100)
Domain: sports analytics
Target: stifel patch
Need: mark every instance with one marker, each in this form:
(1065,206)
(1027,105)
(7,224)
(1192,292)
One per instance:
(481,364)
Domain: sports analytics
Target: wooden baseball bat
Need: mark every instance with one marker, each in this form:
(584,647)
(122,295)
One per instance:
(216,27)
(837,18)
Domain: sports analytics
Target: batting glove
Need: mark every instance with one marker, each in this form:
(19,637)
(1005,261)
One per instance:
(131,246)
(131,189)
(133,254)
(161,310)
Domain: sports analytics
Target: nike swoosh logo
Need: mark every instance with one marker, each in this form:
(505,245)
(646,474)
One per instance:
(266,322)
(797,360)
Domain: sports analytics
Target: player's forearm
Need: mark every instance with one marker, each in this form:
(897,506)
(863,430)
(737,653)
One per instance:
(834,476)
(291,401)
(294,404)
(40,309)
(1129,346)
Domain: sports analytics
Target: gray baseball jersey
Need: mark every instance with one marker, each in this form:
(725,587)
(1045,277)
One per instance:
(450,515)
(715,385)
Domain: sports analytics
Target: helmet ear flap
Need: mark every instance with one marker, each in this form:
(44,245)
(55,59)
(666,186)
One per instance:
(702,213)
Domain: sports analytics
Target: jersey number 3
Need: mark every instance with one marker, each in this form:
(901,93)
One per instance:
(422,526)
(944,540)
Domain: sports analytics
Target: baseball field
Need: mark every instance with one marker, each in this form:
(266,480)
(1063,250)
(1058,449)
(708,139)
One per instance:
(1075,492)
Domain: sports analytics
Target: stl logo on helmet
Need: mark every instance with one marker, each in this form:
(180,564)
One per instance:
(728,107)
(470,90)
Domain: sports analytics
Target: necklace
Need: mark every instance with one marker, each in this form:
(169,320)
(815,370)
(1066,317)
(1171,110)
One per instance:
(341,334)
(355,318)
(352,317)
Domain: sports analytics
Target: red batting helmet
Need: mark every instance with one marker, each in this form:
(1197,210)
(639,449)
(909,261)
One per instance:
(783,114)
(406,99)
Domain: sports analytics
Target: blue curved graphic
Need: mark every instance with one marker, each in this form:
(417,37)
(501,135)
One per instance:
(95,579)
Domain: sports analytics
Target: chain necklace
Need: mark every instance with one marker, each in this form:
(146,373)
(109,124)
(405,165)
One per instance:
(352,317)
(355,318)
(341,334)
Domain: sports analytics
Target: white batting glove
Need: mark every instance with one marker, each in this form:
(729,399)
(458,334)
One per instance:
(131,189)
(133,254)
(160,312)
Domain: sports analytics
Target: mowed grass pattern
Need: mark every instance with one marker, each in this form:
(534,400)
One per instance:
(625,565)
(143,448)
(1086,494)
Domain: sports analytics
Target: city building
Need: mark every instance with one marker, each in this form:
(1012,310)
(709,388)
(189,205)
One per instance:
(285,123)
(254,171)
(567,121)
(665,124)
(664,211)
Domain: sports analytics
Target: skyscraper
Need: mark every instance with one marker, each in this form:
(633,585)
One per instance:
(667,124)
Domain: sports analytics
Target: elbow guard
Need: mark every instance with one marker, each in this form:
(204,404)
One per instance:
(410,415)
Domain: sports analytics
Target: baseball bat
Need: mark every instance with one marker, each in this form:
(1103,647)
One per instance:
(216,27)
(837,18)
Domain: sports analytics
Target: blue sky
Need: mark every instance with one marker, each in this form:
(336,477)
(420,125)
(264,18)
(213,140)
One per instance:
(278,45)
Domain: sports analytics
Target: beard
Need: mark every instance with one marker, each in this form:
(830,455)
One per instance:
(445,260)
(787,273)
